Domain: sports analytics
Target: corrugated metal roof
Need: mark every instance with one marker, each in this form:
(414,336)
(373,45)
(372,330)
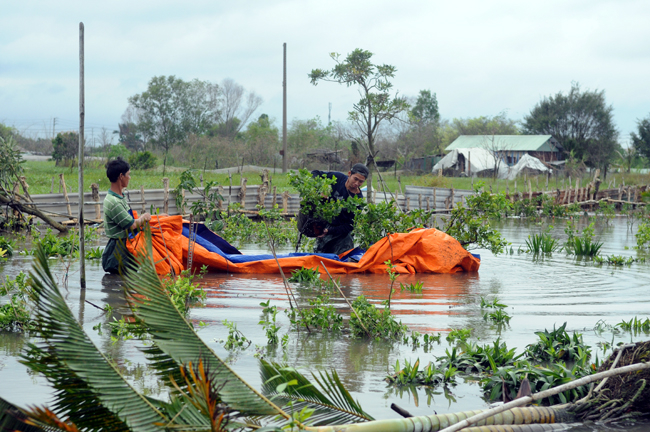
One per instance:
(505,142)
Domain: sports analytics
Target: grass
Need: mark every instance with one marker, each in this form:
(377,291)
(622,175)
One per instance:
(40,173)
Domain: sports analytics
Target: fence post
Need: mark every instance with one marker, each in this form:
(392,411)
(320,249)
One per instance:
(65,193)
(452,199)
(242,192)
(144,207)
(275,197)
(434,198)
(285,202)
(95,194)
(165,195)
(419,201)
(408,203)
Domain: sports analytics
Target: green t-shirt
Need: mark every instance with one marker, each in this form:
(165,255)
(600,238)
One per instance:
(116,216)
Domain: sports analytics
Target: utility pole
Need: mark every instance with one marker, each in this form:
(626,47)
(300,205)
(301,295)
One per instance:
(284,110)
(329,115)
(53,127)
(80,158)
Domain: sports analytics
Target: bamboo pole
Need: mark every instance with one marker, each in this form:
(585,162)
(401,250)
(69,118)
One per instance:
(82,114)
(242,191)
(144,203)
(165,195)
(546,393)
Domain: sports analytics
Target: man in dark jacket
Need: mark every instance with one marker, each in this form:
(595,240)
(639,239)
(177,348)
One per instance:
(336,237)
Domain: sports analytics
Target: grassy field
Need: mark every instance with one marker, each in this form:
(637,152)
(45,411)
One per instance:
(40,175)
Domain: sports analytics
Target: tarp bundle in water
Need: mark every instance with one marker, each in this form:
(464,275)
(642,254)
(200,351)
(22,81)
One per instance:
(420,251)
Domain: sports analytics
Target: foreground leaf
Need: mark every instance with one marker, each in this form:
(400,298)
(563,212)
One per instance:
(332,403)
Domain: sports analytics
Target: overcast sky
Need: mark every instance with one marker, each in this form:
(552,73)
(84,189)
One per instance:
(480,57)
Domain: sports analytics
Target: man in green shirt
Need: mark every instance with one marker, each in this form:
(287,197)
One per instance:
(118,217)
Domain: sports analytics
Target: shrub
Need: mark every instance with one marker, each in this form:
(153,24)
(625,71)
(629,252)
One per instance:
(142,160)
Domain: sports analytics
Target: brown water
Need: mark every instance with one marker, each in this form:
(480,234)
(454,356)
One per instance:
(540,293)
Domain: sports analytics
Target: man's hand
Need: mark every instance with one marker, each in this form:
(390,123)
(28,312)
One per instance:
(323,235)
(145,217)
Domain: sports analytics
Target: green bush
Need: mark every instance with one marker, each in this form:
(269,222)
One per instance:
(643,236)
(142,160)
(380,323)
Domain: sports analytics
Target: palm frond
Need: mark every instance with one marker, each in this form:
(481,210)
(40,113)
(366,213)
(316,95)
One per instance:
(332,403)
(70,351)
(174,336)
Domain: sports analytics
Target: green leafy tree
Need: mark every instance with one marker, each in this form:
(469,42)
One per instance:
(425,109)
(581,121)
(419,134)
(262,140)
(66,147)
(641,138)
(377,103)
(171,109)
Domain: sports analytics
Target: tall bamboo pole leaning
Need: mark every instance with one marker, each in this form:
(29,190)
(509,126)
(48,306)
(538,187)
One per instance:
(82,108)
(284,109)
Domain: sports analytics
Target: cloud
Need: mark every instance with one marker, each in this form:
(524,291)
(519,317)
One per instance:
(479,57)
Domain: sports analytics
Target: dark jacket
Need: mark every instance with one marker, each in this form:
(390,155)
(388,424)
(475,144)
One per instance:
(343,223)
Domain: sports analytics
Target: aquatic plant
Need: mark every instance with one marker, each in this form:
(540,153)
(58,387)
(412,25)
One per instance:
(498,316)
(581,244)
(430,375)
(607,211)
(392,275)
(16,313)
(643,236)
(460,335)
(94,253)
(617,260)
(558,345)
(236,339)
(380,323)
(305,276)
(372,222)
(320,314)
(270,326)
(7,246)
(469,223)
(183,291)
(414,287)
(635,325)
(542,243)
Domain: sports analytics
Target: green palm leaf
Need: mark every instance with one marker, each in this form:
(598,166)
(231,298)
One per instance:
(332,403)
(174,336)
(84,371)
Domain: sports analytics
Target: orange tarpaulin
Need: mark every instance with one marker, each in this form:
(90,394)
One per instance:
(419,251)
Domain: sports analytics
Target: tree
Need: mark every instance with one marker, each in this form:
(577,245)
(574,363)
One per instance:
(171,109)
(66,147)
(419,133)
(236,107)
(262,140)
(376,103)
(641,140)
(581,121)
(425,109)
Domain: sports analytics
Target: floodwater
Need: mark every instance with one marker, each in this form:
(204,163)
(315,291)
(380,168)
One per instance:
(540,293)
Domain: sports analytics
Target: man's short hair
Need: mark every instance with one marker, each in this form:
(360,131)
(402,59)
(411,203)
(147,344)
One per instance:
(360,169)
(116,167)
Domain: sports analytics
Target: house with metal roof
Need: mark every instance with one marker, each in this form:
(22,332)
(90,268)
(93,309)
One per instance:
(513,147)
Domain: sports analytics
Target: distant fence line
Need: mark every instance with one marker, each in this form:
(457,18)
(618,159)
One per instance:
(60,207)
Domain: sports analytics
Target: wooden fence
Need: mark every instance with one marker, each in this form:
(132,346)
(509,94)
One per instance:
(62,207)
